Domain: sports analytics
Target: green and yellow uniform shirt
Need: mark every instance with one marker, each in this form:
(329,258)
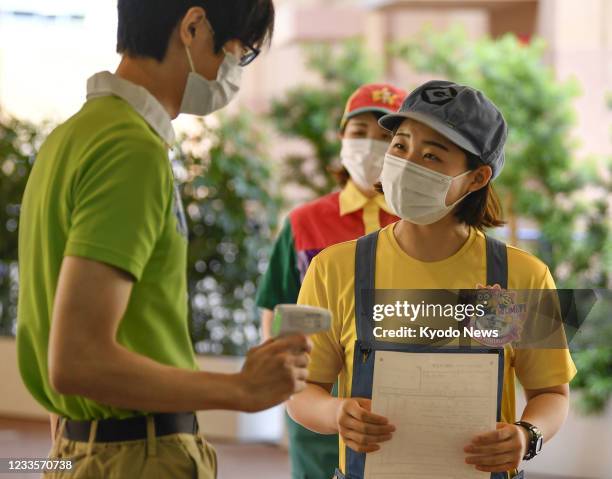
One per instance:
(310,228)
(102,188)
(329,283)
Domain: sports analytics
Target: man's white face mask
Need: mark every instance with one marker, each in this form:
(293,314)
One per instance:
(363,159)
(203,97)
(415,193)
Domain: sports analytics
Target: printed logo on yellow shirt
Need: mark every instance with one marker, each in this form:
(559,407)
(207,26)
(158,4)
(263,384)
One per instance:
(502,314)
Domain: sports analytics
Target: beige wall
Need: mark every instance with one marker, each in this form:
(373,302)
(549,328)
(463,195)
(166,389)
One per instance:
(580,46)
(518,18)
(402,23)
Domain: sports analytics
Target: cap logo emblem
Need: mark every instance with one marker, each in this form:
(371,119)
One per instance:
(384,96)
(439,95)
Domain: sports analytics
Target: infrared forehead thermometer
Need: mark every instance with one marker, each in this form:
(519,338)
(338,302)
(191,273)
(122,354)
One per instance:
(293,318)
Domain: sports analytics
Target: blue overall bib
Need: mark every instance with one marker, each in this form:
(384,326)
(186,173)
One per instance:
(366,345)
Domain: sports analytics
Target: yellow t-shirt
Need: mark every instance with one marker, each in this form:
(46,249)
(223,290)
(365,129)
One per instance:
(329,283)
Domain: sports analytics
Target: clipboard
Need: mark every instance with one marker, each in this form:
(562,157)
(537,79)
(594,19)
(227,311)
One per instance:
(438,398)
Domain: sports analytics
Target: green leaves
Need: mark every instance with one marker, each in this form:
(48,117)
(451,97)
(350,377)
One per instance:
(543,181)
(568,199)
(19,141)
(594,378)
(565,198)
(228,194)
(312,114)
(542,175)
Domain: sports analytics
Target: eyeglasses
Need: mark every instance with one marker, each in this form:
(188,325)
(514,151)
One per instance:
(249,54)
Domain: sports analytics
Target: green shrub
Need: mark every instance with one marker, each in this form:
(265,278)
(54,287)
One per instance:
(19,142)
(567,200)
(227,190)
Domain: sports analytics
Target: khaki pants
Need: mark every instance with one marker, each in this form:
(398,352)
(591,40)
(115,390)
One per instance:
(176,456)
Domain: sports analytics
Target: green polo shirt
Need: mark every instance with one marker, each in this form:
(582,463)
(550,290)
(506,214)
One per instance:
(102,188)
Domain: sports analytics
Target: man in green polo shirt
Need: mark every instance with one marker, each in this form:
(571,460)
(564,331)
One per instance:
(103,338)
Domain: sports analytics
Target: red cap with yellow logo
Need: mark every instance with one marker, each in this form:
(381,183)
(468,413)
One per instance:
(374,97)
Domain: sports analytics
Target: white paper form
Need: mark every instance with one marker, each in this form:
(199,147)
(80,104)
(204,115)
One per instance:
(437,402)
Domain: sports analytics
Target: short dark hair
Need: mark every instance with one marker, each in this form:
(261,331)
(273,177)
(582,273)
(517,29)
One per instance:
(145,26)
(482,208)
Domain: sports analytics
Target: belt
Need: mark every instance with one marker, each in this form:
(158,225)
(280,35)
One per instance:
(131,429)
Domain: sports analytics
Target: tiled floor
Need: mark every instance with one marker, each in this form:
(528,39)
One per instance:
(255,461)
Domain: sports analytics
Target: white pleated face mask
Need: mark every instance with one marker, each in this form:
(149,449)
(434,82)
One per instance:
(415,193)
(363,159)
(203,97)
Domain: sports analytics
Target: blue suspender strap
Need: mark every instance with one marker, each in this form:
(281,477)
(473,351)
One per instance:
(365,270)
(497,263)
(497,273)
(363,360)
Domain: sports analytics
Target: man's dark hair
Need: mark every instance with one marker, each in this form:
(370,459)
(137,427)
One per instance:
(145,26)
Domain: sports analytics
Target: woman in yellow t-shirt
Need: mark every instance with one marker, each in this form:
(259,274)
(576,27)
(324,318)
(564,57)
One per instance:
(448,146)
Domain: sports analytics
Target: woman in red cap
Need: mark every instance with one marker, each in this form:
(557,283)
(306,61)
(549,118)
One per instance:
(356,210)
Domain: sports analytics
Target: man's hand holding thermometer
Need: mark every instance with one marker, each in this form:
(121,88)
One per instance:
(298,319)
(361,429)
(278,368)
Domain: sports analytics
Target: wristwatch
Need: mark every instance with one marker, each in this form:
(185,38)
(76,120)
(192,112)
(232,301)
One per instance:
(535,440)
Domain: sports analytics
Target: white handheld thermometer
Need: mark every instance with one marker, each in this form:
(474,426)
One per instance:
(294,318)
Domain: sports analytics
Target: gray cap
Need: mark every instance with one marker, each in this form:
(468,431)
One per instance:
(460,113)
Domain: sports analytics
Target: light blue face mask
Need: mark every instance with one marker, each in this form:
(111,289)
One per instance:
(203,97)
